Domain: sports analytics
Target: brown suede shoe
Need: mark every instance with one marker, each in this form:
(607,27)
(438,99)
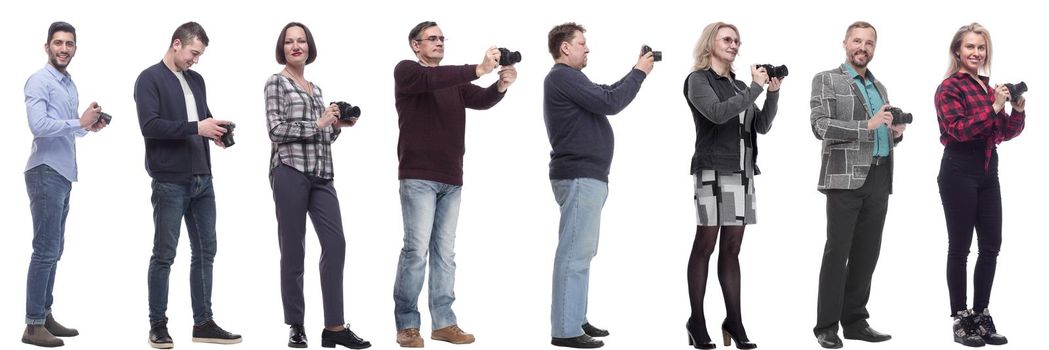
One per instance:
(39,336)
(409,338)
(57,329)
(452,334)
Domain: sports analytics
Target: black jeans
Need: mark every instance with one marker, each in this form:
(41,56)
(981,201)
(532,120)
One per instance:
(295,194)
(972,199)
(855,219)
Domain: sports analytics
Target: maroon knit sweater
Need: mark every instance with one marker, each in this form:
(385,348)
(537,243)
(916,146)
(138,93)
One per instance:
(431,108)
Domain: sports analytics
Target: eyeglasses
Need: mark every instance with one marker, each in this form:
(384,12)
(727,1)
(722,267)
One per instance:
(432,38)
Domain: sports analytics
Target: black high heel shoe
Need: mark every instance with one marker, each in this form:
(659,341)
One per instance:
(701,343)
(740,338)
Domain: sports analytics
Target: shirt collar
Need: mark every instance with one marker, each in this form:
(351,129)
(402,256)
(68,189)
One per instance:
(852,72)
(55,73)
(963,75)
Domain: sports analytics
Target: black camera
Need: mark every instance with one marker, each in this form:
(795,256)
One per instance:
(774,71)
(107,118)
(507,57)
(227,137)
(899,116)
(1016,90)
(656,55)
(347,111)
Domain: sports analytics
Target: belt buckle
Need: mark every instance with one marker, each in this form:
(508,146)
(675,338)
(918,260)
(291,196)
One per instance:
(878,160)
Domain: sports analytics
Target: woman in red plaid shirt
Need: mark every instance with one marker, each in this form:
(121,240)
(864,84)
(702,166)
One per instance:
(973,122)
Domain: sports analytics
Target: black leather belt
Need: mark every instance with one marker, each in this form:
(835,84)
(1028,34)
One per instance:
(879,160)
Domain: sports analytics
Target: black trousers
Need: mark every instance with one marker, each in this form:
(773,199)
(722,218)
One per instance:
(855,219)
(972,199)
(295,194)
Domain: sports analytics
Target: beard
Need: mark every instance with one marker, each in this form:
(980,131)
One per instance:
(858,63)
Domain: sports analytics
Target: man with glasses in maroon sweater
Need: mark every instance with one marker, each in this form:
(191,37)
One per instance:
(431,107)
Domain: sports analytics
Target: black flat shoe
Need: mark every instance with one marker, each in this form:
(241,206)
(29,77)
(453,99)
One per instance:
(867,334)
(592,331)
(296,337)
(703,342)
(345,337)
(581,342)
(829,339)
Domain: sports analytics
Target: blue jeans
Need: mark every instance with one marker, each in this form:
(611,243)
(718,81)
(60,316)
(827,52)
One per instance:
(194,201)
(581,201)
(431,211)
(49,205)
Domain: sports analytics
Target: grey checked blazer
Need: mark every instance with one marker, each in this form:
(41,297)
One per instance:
(839,118)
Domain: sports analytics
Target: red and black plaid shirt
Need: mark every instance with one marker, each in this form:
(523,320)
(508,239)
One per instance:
(966,113)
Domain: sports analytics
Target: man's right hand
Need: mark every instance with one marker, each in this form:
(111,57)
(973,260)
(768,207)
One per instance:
(90,115)
(645,63)
(882,117)
(489,63)
(211,128)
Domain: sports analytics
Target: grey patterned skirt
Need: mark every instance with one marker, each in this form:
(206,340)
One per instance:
(724,199)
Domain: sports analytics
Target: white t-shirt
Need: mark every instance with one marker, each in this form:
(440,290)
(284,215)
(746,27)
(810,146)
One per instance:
(191,102)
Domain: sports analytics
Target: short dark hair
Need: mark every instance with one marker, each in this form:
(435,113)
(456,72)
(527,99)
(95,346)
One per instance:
(60,27)
(419,28)
(189,30)
(562,33)
(312,54)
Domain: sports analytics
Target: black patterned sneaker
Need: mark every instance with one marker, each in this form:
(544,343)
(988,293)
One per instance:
(209,332)
(985,327)
(965,331)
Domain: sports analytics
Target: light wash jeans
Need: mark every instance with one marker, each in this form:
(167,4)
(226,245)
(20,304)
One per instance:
(49,205)
(431,212)
(581,201)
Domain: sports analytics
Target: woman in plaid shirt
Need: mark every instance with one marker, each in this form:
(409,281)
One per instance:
(973,122)
(302,129)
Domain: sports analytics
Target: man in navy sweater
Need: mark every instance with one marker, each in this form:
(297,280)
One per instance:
(176,124)
(575,110)
(431,108)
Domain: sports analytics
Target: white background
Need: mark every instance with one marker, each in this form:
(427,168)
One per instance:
(508,224)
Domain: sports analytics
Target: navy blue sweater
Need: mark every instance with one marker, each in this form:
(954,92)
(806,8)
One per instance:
(161,106)
(575,110)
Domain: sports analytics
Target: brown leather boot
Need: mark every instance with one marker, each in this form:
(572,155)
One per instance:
(452,334)
(57,329)
(409,338)
(39,336)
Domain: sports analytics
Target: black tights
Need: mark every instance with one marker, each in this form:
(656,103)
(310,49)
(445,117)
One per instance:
(728,275)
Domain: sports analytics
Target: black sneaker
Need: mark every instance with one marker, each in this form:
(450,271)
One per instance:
(209,332)
(965,330)
(158,335)
(985,328)
(345,337)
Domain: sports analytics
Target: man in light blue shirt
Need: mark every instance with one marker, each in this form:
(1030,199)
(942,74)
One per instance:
(51,101)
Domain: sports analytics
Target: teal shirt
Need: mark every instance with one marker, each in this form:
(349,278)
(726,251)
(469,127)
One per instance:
(874,103)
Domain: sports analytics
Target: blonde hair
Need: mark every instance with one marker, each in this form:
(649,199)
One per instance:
(705,45)
(956,44)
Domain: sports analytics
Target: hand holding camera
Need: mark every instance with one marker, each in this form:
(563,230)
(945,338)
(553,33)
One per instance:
(1016,92)
(347,113)
(647,59)
(90,116)
(227,137)
(211,128)
(882,117)
(489,63)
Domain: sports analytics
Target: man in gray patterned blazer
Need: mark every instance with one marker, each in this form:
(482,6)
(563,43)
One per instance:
(849,115)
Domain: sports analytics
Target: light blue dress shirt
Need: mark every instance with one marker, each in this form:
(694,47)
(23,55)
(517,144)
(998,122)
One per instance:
(51,103)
